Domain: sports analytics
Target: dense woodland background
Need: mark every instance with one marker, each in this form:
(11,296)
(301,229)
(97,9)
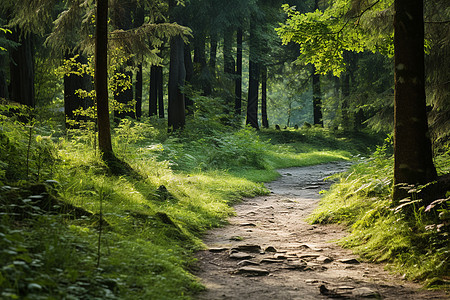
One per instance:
(129,127)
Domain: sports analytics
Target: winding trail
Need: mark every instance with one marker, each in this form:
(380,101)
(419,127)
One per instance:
(269,251)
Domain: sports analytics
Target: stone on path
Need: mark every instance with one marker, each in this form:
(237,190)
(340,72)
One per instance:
(217,249)
(324,259)
(247,263)
(240,255)
(248,248)
(270,249)
(252,271)
(350,261)
(366,292)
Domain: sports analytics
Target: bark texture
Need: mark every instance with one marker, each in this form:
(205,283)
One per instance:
(101,78)
(412,145)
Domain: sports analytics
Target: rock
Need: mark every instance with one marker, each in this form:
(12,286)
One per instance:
(240,255)
(308,255)
(312,187)
(345,287)
(252,271)
(236,238)
(217,249)
(324,259)
(247,225)
(280,256)
(350,261)
(270,261)
(247,263)
(311,281)
(248,248)
(366,292)
(270,249)
(334,293)
(295,265)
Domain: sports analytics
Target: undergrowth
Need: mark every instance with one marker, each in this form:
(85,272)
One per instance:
(412,237)
(71,229)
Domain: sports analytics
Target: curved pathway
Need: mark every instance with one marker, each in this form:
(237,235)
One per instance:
(268,250)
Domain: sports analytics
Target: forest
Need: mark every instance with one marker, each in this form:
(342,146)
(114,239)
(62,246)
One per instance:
(130,128)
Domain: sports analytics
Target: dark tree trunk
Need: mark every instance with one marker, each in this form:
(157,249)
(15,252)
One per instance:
(21,88)
(101,79)
(212,65)
(317,98)
(138,92)
(72,101)
(160,93)
(153,92)
(189,67)
(345,118)
(253,80)
(139,19)
(228,68)
(238,84)
(412,146)
(265,121)
(177,74)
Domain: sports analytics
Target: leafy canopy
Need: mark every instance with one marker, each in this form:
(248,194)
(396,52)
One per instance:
(346,25)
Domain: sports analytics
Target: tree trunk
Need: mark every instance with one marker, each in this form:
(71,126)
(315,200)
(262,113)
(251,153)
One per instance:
(265,121)
(253,80)
(138,92)
(177,74)
(139,18)
(160,93)
(317,98)
(228,68)
(101,79)
(153,92)
(212,65)
(412,146)
(189,67)
(21,88)
(345,118)
(238,84)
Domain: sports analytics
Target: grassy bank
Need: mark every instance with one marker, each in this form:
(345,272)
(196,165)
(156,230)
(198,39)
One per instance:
(412,236)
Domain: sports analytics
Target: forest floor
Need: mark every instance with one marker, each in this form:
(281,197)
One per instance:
(269,251)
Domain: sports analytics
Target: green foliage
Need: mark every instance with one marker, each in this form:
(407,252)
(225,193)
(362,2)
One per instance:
(152,218)
(324,36)
(411,236)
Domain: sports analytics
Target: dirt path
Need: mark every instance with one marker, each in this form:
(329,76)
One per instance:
(268,251)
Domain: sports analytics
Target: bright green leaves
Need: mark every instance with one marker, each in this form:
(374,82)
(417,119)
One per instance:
(324,36)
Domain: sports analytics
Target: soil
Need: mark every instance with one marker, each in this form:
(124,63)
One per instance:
(269,251)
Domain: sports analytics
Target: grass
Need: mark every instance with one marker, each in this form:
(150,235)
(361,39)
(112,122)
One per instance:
(152,218)
(413,239)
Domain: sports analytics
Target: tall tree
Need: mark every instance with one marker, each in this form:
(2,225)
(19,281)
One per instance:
(317,98)
(412,146)
(238,83)
(253,80)
(177,75)
(101,79)
(265,121)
